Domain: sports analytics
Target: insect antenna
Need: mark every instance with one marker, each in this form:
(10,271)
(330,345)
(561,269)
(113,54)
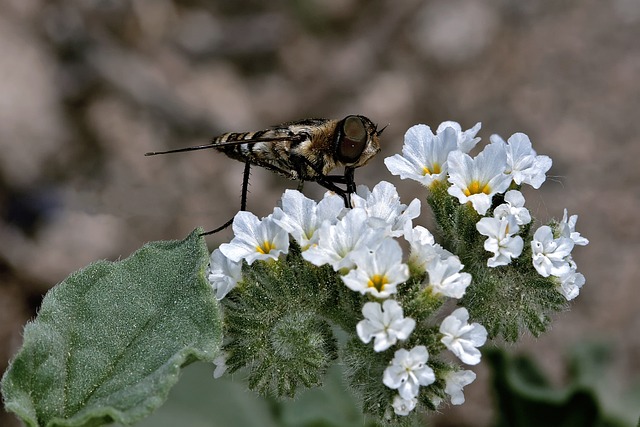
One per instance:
(379,132)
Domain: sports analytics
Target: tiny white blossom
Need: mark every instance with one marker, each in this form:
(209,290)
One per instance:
(500,239)
(424,249)
(379,272)
(255,239)
(418,235)
(455,382)
(424,155)
(569,284)
(385,324)
(550,256)
(477,179)
(221,364)
(336,242)
(514,205)
(435,399)
(384,208)
(408,371)
(466,140)
(302,217)
(402,406)
(525,166)
(567,228)
(223,273)
(461,338)
(445,278)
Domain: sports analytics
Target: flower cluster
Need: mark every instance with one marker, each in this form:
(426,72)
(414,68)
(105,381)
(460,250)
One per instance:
(400,298)
(552,255)
(500,169)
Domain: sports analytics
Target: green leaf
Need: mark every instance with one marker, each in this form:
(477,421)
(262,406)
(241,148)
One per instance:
(200,401)
(109,341)
(330,406)
(526,398)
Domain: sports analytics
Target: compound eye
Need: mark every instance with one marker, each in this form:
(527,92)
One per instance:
(353,141)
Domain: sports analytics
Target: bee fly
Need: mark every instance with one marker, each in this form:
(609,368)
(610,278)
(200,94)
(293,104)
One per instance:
(305,150)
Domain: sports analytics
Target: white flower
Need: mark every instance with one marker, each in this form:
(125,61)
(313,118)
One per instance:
(477,180)
(567,228)
(337,242)
(402,406)
(514,205)
(223,273)
(461,338)
(385,324)
(454,383)
(424,155)
(424,249)
(302,217)
(466,140)
(550,256)
(445,277)
(418,235)
(379,271)
(569,284)
(500,239)
(525,166)
(384,208)
(408,371)
(221,364)
(255,239)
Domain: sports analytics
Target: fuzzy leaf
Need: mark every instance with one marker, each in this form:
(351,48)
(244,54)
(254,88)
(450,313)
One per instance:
(109,341)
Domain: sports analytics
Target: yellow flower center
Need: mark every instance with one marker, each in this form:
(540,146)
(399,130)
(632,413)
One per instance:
(436,169)
(475,187)
(266,247)
(377,281)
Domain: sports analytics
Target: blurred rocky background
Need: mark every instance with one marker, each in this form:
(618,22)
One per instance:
(88,86)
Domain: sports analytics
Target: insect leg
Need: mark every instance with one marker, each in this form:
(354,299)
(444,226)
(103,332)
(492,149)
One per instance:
(330,181)
(349,176)
(243,199)
(347,179)
(245,186)
(329,185)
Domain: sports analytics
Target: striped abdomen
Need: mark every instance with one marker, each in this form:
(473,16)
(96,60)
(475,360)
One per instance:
(267,148)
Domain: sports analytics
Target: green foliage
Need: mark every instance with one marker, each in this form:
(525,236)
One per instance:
(198,401)
(109,341)
(525,397)
(508,300)
(363,374)
(277,323)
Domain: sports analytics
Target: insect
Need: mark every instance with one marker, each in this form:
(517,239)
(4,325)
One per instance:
(304,150)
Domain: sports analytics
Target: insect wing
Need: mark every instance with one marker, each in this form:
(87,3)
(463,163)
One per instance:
(216,144)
